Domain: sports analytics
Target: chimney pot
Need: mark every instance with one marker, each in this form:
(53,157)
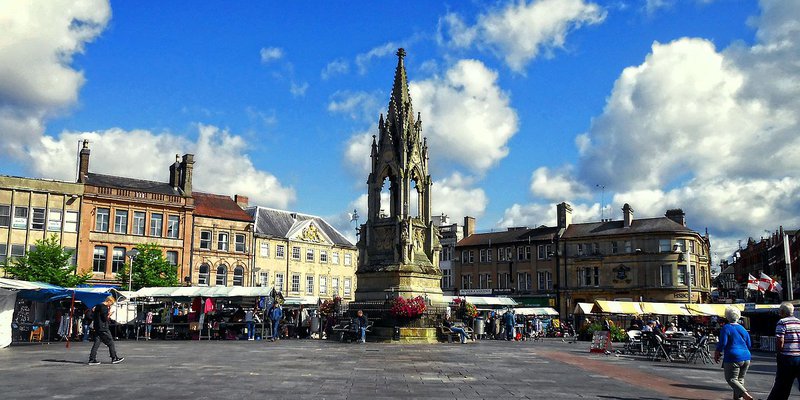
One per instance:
(627,213)
(469,226)
(242,201)
(83,162)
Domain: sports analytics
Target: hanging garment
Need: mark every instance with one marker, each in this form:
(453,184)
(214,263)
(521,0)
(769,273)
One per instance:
(209,306)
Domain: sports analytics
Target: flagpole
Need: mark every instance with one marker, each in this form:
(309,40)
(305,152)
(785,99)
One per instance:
(787,255)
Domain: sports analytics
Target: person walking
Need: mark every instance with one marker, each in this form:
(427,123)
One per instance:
(509,319)
(787,344)
(734,343)
(148,325)
(250,323)
(275,314)
(102,333)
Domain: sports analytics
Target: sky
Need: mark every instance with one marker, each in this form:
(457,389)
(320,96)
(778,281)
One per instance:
(661,104)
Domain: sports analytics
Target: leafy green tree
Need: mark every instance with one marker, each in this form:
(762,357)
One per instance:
(48,263)
(150,268)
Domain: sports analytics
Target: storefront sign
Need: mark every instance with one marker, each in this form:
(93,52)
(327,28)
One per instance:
(502,291)
(474,292)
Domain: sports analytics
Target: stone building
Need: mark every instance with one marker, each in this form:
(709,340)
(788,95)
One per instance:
(33,209)
(119,213)
(450,233)
(222,248)
(517,262)
(631,259)
(302,255)
(768,255)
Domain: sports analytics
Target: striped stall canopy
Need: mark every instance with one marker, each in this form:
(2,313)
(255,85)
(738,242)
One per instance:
(538,311)
(712,309)
(617,307)
(665,308)
(583,308)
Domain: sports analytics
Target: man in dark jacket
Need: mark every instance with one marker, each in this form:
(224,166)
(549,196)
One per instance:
(102,314)
(275,314)
(361,323)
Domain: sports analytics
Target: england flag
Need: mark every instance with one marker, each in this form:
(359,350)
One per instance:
(765,283)
(752,282)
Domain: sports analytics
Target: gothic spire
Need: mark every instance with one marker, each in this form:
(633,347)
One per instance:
(400,97)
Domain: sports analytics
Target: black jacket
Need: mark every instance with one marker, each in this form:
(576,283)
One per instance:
(101,318)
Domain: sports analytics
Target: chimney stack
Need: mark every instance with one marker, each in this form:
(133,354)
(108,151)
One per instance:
(83,162)
(242,201)
(627,213)
(677,215)
(469,226)
(564,215)
(175,172)
(186,167)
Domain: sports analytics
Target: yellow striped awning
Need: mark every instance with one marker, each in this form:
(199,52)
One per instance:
(711,309)
(616,307)
(665,308)
(583,308)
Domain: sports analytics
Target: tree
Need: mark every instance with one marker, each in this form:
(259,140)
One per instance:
(48,263)
(150,268)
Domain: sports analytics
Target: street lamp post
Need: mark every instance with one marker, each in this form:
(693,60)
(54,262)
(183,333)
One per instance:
(677,249)
(132,254)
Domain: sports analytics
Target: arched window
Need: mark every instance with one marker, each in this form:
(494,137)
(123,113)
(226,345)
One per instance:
(238,276)
(222,275)
(202,276)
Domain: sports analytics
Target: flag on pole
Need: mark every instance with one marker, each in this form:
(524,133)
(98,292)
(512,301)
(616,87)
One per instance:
(752,282)
(765,283)
(776,287)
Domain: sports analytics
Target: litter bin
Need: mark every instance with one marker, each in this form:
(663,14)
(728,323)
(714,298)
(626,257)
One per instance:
(478,327)
(314,324)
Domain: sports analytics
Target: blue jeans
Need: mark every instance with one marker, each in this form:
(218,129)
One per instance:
(509,332)
(363,333)
(788,371)
(461,332)
(251,329)
(86,330)
(276,331)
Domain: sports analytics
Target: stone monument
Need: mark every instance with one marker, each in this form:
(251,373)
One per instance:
(398,244)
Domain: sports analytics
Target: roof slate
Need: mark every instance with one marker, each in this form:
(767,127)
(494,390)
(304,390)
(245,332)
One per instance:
(141,185)
(278,223)
(512,236)
(218,206)
(607,228)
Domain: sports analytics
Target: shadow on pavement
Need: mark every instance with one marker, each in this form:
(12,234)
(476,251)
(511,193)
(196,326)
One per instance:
(701,387)
(628,398)
(65,361)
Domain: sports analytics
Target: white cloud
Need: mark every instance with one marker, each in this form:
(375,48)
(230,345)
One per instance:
(521,30)
(537,214)
(334,68)
(360,106)
(298,89)
(557,185)
(363,59)
(37,80)
(456,197)
(467,118)
(222,164)
(269,54)
(357,154)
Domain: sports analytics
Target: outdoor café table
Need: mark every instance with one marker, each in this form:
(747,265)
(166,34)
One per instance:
(679,344)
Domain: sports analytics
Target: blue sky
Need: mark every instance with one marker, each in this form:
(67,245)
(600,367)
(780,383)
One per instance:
(526,103)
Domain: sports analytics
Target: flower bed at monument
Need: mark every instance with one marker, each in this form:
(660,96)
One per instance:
(408,308)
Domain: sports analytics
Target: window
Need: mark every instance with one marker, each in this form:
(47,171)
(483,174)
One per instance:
(545,280)
(579,249)
(464,256)
(73,260)
(664,246)
(20,218)
(239,239)
(156,224)
(508,253)
(628,246)
(263,279)
(335,286)
(120,221)
(173,226)
(681,275)
(703,277)
(483,281)
(309,284)
(138,223)
(489,253)
(335,258)
(54,220)
(447,279)
(323,256)
(279,282)
(466,281)
(172,258)
(483,256)
(202,276)
(348,259)
(527,252)
(101,219)
(614,247)
(694,275)
(222,276)
(280,251)
(117,259)
(38,218)
(691,246)
(295,283)
(5,216)
(323,284)
(222,241)
(205,240)
(503,280)
(99,259)
(595,248)
(17,250)
(295,253)
(590,276)
(347,286)
(666,275)
(681,243)
(446,254)
(3,252)
(501,254)
(263,250)
(471,255)
(309,255)
(238,276)
(540,252)
(520,253)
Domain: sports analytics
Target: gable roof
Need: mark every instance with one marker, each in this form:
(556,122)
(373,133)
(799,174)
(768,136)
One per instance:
(279,223)
(140,185)
(218,206)
(608,228)
(517,235)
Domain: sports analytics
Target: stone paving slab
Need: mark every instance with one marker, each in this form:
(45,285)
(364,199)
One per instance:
(311,369)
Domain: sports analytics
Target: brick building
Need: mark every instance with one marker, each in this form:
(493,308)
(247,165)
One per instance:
(222,249)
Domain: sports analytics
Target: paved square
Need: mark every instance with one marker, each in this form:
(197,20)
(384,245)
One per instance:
(303,369)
